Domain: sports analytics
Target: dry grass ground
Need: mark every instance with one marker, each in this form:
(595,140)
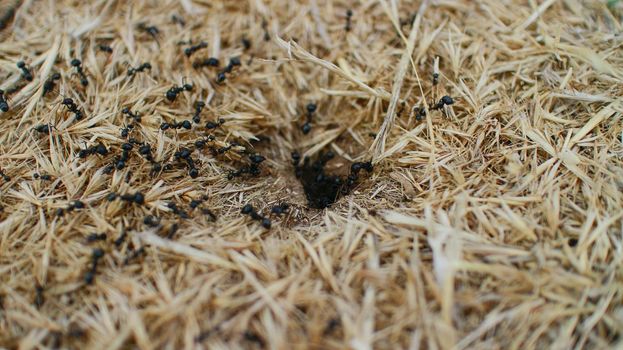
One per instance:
(491,223)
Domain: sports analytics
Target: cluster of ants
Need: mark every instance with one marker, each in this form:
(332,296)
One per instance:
(321,188)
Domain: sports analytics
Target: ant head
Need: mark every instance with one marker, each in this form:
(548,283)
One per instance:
(76,62)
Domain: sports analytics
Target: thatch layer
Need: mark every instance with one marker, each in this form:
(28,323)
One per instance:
(492,219)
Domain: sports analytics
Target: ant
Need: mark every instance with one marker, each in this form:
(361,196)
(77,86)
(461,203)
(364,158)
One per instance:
(151,221)
(214,125)
(172,230)
(233,62)
(177,211)
(151,30)
(185,154)
(311,108)
(121,238)
(42,128)
(99,149)
(137,198)
(4,176)
(7,16)
(25,72)
(296,158)
(172,93)
(105,48)
(50,83)
(71,105)
(44,177)
(331,326)
(253,169)
(444,101)
(349,15)
(246,43)
(39,298)
(94,237)
(4,106)
(249,210)
(176,125)
(179,20)
(280,209)
(420,113)
(97,254)
(191,50)
(209,62)
(133,255)
(78,65)
(265,27)
(128,112)
(141,68)
(199,105)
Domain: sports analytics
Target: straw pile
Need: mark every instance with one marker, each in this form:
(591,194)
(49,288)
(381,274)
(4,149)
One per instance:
(492,221)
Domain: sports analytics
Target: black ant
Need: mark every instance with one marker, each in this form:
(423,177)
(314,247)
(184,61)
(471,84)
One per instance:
(296,158)
(151,30)
(185,154)
(249,210)
(71,105)
(311,108)
(137,198)
(246,43)
(444,101)
(44,177)
(98,149)
(172,93)
(133,255)
(78,65)
(121,238)
(233,62)
(280,209)
(331,326)
(151,221)
(253,169)
(253,337)
(214,125)
(25,72)
(420,113)
(208,62)
(105,48)
(177,211)
(94,237)
(199,105)
(77,204)
(172,230)
(4,106)
(39,298)
(176,125)
(50,83)
(129,113)
(96,256)
(42,128)
(141,68)
(7,16)
(191,50)
(349,15)
(179,20)
(4,176)
(265,27)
